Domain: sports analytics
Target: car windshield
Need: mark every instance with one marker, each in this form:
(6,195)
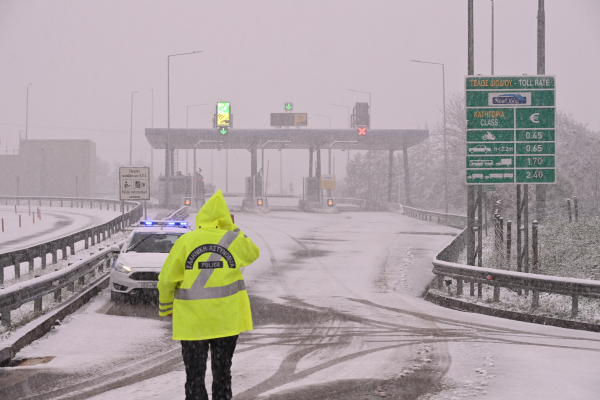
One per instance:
(150,242)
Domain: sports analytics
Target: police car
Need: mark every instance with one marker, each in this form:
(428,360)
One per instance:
(135,271)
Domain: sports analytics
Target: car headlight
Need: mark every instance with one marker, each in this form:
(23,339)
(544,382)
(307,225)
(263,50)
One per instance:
(120,267)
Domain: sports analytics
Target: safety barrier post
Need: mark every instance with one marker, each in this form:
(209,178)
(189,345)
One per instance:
(576,208)
(17,266)
(574,306)
(440,281)
(31,264)
(535,294)
(5,316)
(569,209)
(58,295)
(37,305)
(508,243)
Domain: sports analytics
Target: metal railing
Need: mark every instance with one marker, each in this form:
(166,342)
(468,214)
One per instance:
(179,215)
(441,218)
(90,236)
(444,265)
(352,202)
(35,289)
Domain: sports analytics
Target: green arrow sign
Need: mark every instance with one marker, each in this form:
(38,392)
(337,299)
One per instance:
(289,106)
(223,131)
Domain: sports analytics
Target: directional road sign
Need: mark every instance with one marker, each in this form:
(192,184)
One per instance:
(510,129)
(134,183)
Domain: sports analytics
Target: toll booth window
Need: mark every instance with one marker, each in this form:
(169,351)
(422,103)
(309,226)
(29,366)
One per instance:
(152,242)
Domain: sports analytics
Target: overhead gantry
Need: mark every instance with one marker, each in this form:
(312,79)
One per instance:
(293,138)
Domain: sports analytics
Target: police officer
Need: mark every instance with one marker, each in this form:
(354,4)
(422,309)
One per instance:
(202,288)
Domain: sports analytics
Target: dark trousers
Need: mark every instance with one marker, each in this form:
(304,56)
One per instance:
(195,354)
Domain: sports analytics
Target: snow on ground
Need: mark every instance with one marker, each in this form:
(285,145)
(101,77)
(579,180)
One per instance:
(56,222)
(335,300)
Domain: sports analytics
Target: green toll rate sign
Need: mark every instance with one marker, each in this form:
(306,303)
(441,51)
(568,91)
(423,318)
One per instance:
(510,130)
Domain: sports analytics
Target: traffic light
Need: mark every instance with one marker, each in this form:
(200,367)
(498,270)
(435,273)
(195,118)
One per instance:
(187,201)
(259,202)
(362,131)
(289,106)
(223,130)
(330,202)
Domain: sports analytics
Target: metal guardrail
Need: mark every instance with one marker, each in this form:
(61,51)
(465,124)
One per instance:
(353,202)
(35,289)
(179,215)
(91,235)
(444,265)
(442,218)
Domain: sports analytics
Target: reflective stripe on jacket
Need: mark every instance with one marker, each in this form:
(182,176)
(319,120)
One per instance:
(201,283)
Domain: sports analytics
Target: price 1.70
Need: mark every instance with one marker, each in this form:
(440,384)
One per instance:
(535,162)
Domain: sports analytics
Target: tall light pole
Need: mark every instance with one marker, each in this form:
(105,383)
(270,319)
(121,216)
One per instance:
(131,132)
(492,37)
(445,147)
(369,93)
(346,107)
(152,126)
(187,123)
(168,169)
(27,111)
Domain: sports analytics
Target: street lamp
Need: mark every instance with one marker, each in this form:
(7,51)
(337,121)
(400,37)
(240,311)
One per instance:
(168,146)
(131,132)
(187,122)
(445,148)
(369,93)
(27,111)
(347,107)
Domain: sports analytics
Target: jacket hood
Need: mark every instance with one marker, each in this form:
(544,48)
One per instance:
(215,214)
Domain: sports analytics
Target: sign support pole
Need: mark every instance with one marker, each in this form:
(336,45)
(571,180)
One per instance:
(540,190)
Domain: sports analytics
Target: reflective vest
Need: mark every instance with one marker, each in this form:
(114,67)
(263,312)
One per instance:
(201,283)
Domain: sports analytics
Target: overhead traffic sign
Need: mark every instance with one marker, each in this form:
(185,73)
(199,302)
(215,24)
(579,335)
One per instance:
(223,112)
(289,119)
(134,183)
(510,129)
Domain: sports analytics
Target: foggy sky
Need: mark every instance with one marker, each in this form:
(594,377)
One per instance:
(85,58)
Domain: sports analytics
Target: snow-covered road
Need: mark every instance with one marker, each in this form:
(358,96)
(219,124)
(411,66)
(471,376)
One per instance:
(55,222)
(337,316)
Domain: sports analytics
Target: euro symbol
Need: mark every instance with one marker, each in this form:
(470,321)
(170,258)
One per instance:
(534,118)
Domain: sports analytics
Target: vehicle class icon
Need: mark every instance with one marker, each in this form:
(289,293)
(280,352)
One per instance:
(535,118)
(480,148)
(489,136)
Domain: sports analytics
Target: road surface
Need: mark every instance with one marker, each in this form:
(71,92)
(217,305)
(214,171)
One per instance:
(337,315)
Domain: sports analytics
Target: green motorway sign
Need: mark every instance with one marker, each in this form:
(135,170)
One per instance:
(510,129)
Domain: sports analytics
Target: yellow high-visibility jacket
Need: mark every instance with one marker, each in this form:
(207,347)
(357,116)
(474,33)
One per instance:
(201,283)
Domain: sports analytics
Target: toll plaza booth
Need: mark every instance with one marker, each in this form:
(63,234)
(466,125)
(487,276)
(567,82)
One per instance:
(253,140)
(180,187)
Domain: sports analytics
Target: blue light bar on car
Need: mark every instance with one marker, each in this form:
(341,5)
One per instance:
(182,224)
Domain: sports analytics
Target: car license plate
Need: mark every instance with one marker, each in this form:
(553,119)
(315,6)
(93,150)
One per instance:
(149,285)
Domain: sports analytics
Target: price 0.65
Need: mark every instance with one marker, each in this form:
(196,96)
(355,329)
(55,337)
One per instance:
(532,148)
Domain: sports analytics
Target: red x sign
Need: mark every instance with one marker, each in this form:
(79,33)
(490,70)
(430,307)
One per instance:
(362,131)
